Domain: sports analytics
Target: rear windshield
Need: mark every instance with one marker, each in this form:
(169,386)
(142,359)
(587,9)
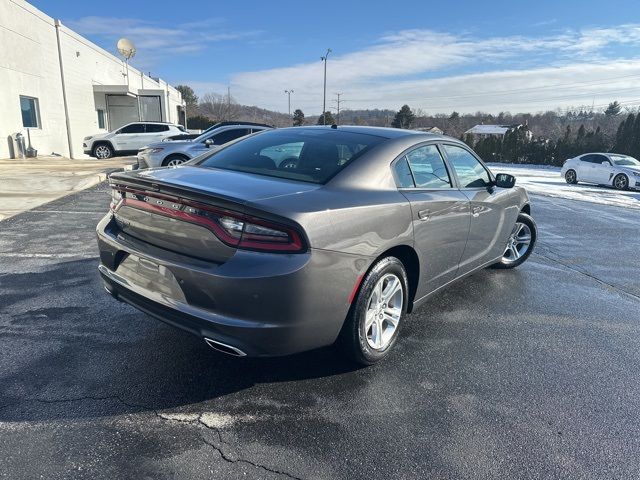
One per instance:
(308,155)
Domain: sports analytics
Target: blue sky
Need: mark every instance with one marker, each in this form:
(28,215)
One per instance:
(436,56)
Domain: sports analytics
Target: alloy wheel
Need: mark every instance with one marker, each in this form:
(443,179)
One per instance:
(620,182)
(102,152)
(175,162)
(518,243)
(570,176)
(384,309)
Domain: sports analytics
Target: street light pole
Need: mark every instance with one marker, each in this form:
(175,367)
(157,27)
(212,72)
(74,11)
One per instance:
(289,92)
(324,98)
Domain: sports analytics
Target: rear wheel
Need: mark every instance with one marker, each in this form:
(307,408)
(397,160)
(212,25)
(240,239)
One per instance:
(520,244)
(103,151)
(621,181)
(372,326)
(174,161)
(571,177)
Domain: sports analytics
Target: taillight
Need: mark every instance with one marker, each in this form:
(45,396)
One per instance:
(233,228)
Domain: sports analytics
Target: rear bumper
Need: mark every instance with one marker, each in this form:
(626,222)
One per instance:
(260,303)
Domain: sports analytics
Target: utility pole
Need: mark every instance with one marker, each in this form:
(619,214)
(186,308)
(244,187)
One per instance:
(228,102)
(289,92)
(338,108)
(324,97)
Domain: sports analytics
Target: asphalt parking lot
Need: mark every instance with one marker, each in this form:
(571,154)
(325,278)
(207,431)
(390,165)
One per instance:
(531,373)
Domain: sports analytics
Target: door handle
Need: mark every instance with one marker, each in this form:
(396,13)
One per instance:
(475,210)
(424,215)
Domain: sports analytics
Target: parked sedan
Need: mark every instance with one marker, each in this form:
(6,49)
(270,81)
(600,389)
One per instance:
(128,138)
(173,153)
(192,136)
(297,238)
(619,171)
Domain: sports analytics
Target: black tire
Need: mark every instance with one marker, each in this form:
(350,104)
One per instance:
(507,262)
(353,337)
(621,182)
(571,177)
(102,151)
(174,160)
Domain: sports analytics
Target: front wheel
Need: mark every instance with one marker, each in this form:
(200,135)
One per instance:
(372,326)
(103,151)
(621,182)
(571,177)
(174,161)
(520,244)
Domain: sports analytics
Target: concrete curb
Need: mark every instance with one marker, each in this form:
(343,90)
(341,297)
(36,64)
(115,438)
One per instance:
(84,184)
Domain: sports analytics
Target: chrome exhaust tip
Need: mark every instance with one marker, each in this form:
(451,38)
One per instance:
(224,348)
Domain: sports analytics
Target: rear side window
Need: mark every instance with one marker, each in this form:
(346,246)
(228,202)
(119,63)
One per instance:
(133,128)
(404,179)
(428,168)
(157,127)
(470,171)
(309,155)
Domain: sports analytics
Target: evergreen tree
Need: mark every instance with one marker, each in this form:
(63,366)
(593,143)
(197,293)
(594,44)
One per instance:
(404,118)
(326,119)
(613,109)
(190,99)
(298,118)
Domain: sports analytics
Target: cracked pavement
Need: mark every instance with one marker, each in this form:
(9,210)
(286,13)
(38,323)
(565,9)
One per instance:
(507,374)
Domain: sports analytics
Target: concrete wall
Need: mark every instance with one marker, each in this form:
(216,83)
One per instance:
(30,64)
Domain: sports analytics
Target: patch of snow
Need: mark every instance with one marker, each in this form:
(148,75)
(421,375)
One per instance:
(547,180)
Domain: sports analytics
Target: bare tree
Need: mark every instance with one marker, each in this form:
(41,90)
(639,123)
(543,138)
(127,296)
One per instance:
(219,108)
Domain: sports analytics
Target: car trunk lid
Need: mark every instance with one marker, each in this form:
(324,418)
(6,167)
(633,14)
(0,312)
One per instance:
(203,212)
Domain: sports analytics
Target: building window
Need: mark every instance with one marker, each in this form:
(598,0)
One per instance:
(101,119)
(30,113)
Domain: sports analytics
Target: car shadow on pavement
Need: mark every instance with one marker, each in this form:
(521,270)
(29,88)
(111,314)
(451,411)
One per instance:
(65,340)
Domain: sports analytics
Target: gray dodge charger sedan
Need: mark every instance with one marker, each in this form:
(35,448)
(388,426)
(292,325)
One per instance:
(297,238)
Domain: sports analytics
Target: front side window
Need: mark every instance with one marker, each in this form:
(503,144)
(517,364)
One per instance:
(30,112)
(308,155)
(428,168)
(470,171)
(228,135)
(133,128)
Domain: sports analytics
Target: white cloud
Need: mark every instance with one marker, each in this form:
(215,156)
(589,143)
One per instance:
(516,73)
(155,42)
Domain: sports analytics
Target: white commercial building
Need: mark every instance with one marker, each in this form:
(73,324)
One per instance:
(61,87)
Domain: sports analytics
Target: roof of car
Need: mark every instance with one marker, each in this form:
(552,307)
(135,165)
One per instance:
(384,132)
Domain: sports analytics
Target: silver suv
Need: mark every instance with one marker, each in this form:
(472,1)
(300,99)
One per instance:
(171,153)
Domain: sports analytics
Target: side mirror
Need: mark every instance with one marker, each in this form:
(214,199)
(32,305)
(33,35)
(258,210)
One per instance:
(606,163)
(504,180)
(208,142)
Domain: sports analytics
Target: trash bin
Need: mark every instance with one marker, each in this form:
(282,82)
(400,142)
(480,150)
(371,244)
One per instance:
(21,149)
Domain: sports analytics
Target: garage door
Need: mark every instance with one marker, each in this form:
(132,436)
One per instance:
(150,108)
(121,109)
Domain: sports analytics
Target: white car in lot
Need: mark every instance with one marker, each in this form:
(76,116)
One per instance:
(619,171)
(129,138)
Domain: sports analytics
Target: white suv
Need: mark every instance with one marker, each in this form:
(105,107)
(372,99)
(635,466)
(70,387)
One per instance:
(129,138)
